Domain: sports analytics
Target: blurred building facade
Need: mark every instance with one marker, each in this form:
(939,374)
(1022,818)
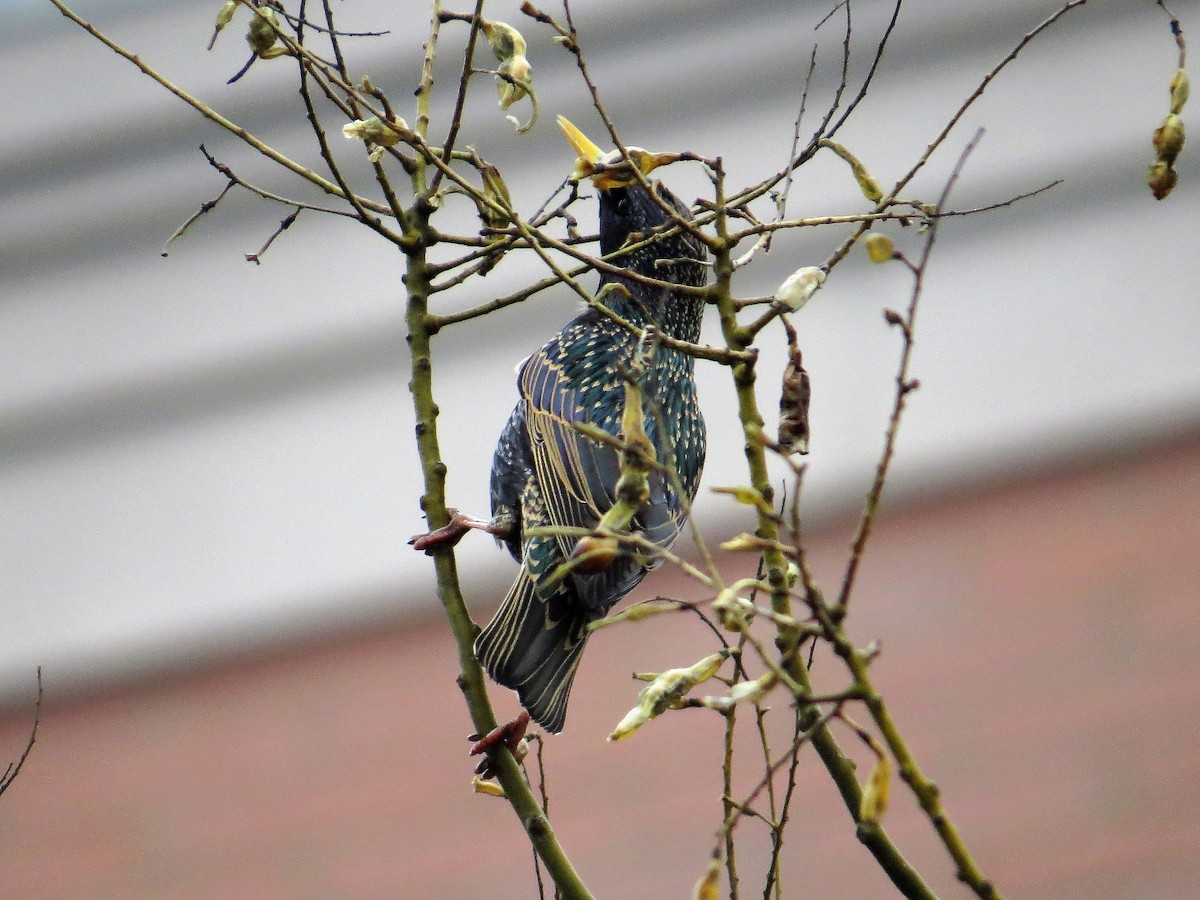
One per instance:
(203,460)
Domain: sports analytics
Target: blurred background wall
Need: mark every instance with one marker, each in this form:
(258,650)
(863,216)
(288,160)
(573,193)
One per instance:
(203,460)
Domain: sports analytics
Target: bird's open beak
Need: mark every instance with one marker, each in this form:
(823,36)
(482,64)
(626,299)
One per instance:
(609,170)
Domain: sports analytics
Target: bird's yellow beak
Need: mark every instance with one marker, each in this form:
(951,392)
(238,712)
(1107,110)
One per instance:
(609,170)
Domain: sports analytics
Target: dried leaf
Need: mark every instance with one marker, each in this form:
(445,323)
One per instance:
(793,401)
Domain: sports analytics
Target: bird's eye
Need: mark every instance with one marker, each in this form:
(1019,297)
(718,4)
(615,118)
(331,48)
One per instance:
(623,206)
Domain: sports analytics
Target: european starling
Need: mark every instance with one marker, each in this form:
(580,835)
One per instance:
(547,473)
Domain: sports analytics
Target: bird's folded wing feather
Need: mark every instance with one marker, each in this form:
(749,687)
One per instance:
(577,475)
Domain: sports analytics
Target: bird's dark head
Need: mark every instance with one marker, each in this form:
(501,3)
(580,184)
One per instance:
(628,209)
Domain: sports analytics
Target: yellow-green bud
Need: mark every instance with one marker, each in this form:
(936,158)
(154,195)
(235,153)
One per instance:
(709,885)
(505,41)
(375,130)
(496,190)
(487,787)
(640,611)
(866,181)
(880,247)
(733,612)
(868,185)
(520,71)
(666,689)
(743,494)
(1161,178)
(1180,87)
(225,16)
(1168,138)
(377,133)
(876,790)
(263,32)
(792,575)
(742,543)
(744,692)
(509,47)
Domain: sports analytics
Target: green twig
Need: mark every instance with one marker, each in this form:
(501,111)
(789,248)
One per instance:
(841,769)
(924,789)
(730,806)
(433,469)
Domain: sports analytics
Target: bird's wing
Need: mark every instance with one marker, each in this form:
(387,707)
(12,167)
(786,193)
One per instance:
(576,476)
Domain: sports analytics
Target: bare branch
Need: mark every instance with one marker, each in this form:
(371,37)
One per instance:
(284,225)
(14,769)
(206,206)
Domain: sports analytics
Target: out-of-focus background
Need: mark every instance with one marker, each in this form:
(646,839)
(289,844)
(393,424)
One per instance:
(206,476)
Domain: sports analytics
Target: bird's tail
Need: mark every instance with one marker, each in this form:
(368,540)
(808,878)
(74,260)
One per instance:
(533,645)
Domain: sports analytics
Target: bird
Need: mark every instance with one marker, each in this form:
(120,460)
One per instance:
(548,472)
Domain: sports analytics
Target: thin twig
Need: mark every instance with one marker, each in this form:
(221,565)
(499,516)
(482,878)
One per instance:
(1177,30)
(781,197)
(234,178)
(284,225)
(804,737)
(318,129)
(14,769)
(729,805)
(939,139)
(905,385)
(924,790)
(541,768)
(870,76)
(301,22)
(760,716)
(425,89)
(773,871)
(890,859)
(464,80)
(334,43)
(991,207)
(205,207)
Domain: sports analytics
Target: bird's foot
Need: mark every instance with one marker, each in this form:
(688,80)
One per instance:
(452,532)
(511,734)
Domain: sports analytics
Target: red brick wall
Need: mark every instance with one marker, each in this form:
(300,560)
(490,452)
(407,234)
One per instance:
(1039,650)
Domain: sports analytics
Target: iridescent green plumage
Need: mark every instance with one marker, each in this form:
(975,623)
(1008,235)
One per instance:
(546,473)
